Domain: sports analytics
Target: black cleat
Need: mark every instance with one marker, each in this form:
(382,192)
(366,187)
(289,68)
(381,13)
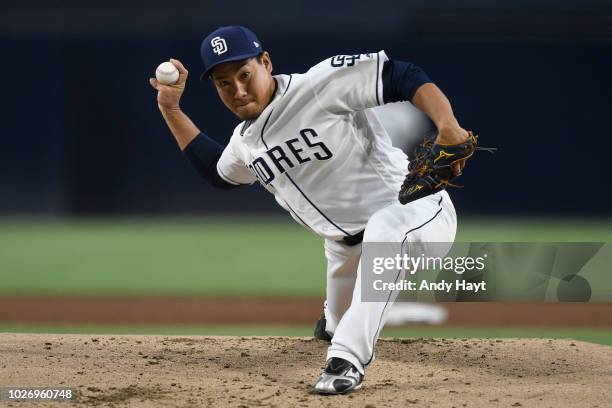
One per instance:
(319,331)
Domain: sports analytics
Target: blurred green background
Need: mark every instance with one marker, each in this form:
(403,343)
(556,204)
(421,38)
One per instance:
(225,257)
(209,256)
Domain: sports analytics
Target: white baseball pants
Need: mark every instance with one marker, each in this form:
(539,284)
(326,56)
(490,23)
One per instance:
(356,325)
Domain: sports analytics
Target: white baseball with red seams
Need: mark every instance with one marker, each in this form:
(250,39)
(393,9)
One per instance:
(321,149)
(166,73)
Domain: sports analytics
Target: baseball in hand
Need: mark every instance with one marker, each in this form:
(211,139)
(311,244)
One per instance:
(166,73)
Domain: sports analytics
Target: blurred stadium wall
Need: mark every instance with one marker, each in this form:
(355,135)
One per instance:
(81,132)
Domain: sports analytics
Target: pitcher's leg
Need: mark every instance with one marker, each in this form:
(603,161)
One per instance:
(422,221)
(342,262)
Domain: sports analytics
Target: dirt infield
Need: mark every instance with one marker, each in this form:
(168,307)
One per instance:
(186,310)
(127,371)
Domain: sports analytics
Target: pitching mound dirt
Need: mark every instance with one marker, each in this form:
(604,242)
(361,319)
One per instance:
(130,371)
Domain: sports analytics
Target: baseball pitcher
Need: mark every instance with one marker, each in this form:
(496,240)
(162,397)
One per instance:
(313,141)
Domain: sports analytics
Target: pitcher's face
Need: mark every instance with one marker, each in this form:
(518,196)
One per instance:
(245,86)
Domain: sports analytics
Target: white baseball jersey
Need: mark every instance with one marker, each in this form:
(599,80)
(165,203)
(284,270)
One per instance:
(320,149)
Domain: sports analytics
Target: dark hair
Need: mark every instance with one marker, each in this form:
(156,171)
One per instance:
(258,57)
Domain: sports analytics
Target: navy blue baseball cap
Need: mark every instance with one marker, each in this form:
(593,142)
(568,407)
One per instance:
(231,43)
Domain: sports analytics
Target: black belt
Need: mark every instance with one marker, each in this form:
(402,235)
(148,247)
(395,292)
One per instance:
(353,240)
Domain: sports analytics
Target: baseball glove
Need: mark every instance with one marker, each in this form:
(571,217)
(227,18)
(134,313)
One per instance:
(431,170)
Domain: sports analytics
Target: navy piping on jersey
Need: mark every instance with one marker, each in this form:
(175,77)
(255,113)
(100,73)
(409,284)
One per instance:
(288,84)
(264,127)
(266,122)
(296,214)
(288,206)
(245,126)
(296,186)
(399,272)
(315,207)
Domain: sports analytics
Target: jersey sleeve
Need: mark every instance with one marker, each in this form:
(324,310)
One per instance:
(348,83)
(232,168)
